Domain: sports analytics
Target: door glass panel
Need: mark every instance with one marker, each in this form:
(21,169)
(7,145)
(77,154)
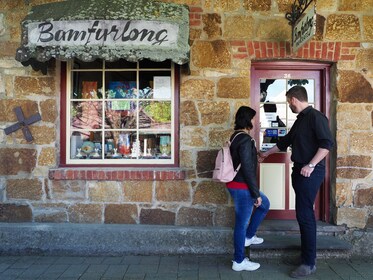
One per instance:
(272,90)
(309,84)
(276,118)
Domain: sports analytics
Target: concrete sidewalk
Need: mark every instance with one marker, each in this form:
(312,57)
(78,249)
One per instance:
(169,267)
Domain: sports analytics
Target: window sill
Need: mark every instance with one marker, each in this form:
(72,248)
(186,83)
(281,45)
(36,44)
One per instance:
(116,174)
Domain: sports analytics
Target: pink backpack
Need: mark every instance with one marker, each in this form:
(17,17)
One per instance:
(224,171)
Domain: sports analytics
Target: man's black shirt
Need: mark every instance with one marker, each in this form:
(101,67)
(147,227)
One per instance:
(309,133)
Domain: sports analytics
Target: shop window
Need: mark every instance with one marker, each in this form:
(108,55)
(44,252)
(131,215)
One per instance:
(120,113)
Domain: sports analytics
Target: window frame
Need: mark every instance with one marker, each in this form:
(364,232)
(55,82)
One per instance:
(65,131)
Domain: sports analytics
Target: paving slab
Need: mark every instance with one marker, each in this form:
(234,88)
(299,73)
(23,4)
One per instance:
(198,267)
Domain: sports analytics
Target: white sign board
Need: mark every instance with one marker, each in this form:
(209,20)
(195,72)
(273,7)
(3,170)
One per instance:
(162,87)
(305,28)
(102,33)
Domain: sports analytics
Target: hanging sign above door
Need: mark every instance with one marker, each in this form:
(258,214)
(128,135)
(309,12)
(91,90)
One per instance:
(304,28)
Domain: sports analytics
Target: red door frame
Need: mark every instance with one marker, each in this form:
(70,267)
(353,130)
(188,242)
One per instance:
(323,69)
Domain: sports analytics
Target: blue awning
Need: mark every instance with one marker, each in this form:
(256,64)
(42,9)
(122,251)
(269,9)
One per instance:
(105,29)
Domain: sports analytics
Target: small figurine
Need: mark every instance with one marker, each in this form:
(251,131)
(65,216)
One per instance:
(116,155)
(79,155)
(135,151)
(96,154)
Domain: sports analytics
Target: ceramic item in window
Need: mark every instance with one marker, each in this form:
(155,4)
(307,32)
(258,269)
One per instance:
(79,154)
(135,151)
(88,147)
(96,154)
(116,155)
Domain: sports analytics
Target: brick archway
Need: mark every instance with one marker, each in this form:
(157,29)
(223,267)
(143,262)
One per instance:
(314,50)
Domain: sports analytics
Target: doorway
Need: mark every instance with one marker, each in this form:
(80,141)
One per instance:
(269,83)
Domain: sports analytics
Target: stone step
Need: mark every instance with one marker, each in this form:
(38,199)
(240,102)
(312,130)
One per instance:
(282,227)
(276,245)
(114,240)
(282,239)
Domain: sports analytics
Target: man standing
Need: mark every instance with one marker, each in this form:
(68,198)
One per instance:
(311,140)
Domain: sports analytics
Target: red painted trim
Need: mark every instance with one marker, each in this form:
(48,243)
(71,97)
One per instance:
(63,114)
(321,73)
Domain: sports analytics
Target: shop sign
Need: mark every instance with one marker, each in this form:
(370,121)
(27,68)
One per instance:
(305,28)
(102,33)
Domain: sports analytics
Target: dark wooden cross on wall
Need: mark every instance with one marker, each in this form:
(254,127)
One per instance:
(23,124)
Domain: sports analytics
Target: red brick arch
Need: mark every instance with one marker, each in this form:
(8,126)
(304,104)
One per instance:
(313,50)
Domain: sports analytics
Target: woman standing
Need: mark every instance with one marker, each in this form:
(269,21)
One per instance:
(245,191)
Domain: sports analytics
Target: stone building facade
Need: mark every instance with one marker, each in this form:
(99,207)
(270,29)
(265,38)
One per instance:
(225,37)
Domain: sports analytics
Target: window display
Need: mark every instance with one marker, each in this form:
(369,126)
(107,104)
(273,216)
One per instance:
(120,115)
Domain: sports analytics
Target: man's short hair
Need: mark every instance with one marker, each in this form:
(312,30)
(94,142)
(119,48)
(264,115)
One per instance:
(299,92)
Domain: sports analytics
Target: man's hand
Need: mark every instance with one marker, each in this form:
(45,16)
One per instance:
(306,171)
(261,156)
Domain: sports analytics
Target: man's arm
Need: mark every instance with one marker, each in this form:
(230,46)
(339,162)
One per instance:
(320,154)
(263,155)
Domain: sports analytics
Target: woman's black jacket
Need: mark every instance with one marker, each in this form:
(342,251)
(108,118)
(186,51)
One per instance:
(243,151)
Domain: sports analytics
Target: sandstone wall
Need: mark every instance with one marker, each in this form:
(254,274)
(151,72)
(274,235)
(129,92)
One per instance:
(225,36)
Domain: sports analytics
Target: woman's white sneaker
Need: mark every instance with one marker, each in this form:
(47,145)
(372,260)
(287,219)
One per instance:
(253,240)
(246,264)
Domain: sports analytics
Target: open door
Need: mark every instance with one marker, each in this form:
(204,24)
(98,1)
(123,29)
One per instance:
(269,83)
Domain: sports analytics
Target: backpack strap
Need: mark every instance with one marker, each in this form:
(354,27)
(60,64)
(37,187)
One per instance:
(237,135)
(239,166)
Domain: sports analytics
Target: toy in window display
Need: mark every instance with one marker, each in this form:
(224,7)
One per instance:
(135,151)
(116,155)
(79,154)
(89,90)
(96,154)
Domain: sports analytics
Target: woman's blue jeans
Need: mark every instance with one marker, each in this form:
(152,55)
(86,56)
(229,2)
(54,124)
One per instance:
(244,226)
(306,189)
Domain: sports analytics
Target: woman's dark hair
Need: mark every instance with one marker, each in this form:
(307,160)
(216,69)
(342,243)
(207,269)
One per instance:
(243,118)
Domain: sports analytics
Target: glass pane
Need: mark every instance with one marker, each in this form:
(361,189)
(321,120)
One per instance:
(272,115)
(120,114)
(155,114)
(76,142)
(149,145)
(270,136)
(97,64)
(86,115)
(272,90)
(157,65)
(86,145)
(120,64)
(86,85)
(309,84)
(120,84)
(155,85)
(291,118)
(164,145)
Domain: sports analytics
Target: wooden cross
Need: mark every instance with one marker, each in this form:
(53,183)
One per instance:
(23,123)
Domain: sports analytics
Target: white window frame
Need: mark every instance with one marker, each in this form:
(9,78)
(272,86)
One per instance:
(172,161)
